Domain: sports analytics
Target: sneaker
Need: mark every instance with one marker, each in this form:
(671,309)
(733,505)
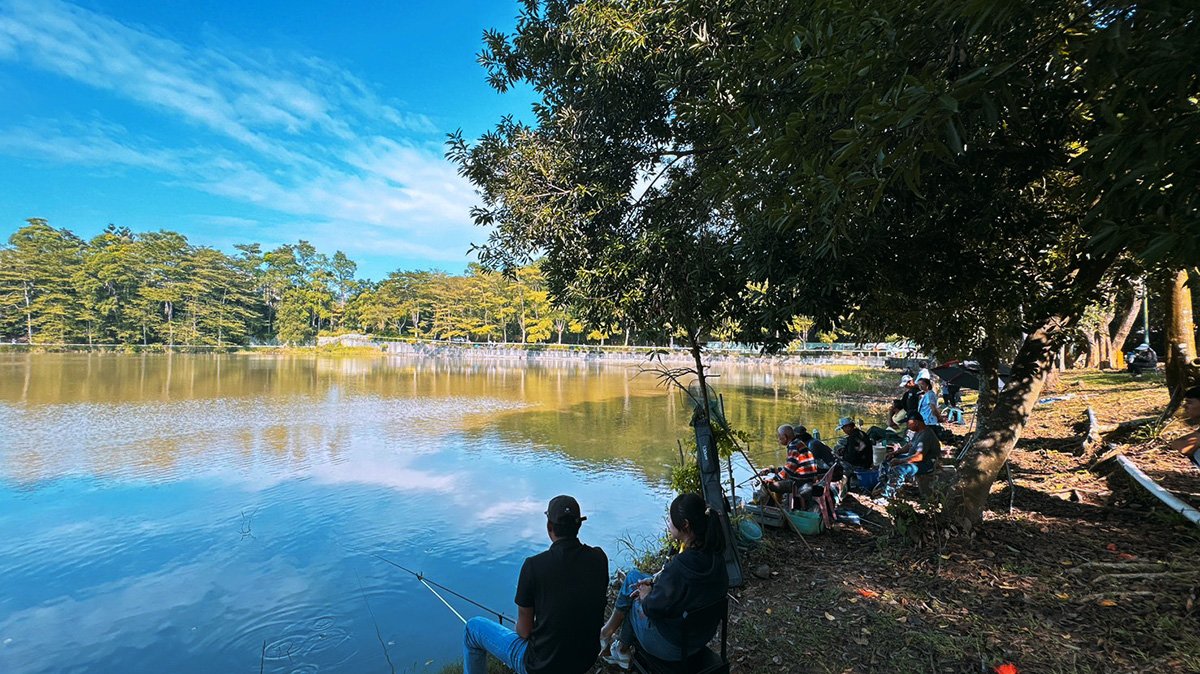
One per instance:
(617,656)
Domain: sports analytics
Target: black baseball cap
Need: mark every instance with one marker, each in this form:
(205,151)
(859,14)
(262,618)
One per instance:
(563,509)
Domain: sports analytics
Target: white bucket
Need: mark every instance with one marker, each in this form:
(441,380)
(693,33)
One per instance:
(879,451)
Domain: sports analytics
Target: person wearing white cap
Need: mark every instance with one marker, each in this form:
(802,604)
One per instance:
(908,401)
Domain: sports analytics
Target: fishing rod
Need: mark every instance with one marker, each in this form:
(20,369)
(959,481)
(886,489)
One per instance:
(430,584)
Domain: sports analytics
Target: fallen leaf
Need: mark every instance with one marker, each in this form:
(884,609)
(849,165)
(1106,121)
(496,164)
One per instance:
(829,616)
(902,619)
(1007,668)
(1107,602)
(1111,547)
(869,594)
(1063,596)
(1125,556)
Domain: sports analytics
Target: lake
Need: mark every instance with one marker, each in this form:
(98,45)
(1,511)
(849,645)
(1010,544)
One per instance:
(221,513)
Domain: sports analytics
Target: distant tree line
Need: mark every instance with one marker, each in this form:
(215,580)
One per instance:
(157,288)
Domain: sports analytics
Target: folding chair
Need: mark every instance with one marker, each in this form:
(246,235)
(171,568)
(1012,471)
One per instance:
(703,661)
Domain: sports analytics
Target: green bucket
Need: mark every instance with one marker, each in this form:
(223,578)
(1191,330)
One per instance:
(808,523)
(748,533)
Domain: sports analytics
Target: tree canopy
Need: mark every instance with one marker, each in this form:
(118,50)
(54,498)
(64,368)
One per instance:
(122,287)
(967,174)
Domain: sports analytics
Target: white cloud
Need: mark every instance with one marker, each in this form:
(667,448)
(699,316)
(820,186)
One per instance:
(291,133)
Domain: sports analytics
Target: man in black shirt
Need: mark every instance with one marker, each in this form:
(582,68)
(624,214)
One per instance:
(908,402)
(560,599)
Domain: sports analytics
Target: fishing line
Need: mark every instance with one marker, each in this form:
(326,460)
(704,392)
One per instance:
(378,634)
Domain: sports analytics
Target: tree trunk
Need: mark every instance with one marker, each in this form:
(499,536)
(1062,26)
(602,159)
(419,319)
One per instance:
(989,370)
(28,314)
(1181,334)
(1093,350)
(1001,426)
(1122,331)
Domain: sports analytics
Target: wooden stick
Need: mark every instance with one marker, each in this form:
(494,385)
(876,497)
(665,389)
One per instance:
(1145,576)
(1126,566)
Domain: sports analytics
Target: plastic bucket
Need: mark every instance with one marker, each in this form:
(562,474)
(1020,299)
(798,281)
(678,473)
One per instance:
(806,522)
(749,533)
(878,452)
(867,479)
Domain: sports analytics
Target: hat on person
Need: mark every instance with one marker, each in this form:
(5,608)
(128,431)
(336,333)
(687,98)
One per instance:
(563,509)
(906,380)
(844,422)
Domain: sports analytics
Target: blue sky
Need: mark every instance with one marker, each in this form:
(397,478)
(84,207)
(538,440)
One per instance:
(265,121)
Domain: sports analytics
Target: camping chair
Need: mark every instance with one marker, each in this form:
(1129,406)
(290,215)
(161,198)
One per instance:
(822,491)
(703,661)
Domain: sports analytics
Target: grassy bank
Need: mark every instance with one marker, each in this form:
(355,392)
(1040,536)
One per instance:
(850,384)
(1084,575)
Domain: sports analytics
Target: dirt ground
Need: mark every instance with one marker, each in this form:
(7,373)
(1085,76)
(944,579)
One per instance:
(1086,574)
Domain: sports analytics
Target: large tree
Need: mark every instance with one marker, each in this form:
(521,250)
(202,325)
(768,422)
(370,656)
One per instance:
(944,170)
(35,281)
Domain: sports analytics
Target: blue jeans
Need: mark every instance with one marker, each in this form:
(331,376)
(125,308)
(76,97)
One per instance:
(897,474)
(485,636)
(638,625)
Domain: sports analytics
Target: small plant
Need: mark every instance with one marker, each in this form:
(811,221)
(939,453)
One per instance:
(685,478)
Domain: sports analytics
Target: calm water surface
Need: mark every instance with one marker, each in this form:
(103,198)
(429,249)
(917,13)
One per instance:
(219,513)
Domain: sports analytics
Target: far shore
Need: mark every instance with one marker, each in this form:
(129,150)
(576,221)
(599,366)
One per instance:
(824,356)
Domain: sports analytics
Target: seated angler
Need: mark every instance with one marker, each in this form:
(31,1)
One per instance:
(650,610)
(799,467)
(823,452)
(922,454)
(856,452)
(1142,359)
(561,595)
(908,402)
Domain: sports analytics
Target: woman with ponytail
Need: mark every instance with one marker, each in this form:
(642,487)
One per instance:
(691,580)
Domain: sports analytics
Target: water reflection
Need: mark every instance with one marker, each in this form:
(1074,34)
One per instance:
(176,513)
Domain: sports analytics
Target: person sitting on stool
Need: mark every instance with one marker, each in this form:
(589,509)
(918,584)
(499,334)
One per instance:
(922,454)
(655,605)
(1143,359)
(561,594)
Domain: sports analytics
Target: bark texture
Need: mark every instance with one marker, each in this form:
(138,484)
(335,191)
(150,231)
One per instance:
(1001,425)
(1181,335)
(1122,331)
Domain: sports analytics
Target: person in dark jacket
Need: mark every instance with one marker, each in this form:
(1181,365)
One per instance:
(908,402)
(857,451)
(655,605)
(821,451)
